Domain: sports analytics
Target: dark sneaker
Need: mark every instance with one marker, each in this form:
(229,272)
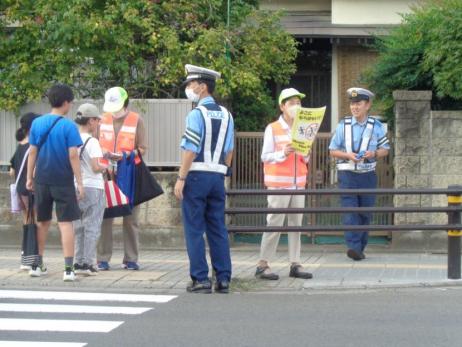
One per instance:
(130,265)
(69,274)
(80,269)
(296,272)
(351,253)
(204,287)
(38,270)
(103,266)
(222,287)
(264,273)
(92,271)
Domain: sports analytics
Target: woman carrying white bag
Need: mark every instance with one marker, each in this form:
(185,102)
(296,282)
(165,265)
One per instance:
(19,194)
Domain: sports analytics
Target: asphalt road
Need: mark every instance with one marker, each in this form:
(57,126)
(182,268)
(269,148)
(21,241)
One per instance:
(400,317)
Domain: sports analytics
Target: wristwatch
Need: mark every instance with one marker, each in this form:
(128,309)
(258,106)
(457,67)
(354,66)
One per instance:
(181,178)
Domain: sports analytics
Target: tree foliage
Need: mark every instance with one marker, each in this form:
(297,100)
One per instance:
(423,53)
(143,46)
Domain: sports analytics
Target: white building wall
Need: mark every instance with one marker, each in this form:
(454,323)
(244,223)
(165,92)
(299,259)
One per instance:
(362,12)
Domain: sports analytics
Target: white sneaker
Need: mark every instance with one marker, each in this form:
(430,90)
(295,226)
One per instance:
(25,267)
(37,271)
(69,275)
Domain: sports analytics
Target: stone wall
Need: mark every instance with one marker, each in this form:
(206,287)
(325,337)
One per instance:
(160,219)
(428,154)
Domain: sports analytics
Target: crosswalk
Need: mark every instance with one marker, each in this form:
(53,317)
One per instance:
(22,302)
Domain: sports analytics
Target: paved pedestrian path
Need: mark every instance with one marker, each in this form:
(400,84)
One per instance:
(166,271)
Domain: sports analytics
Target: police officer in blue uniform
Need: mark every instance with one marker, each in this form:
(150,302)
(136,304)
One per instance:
(358,142)
(207,146)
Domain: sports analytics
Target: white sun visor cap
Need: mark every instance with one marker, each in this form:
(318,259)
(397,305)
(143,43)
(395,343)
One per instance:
(288,93)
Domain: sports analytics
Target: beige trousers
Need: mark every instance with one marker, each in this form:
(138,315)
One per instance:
(130,235)
(270,240)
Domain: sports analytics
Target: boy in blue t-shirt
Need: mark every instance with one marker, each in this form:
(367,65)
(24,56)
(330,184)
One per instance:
(54,142)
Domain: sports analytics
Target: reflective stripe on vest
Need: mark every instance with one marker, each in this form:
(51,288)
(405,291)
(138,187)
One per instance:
(211,161)
(292,171)
(364,145)
(126,136)
(360,167)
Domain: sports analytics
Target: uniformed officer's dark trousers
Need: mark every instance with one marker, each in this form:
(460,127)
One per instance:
(203,208)
(349,179)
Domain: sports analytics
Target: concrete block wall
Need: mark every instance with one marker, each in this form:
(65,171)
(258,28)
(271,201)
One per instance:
(428,154)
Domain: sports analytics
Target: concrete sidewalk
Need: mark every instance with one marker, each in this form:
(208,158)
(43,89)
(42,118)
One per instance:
(166,271)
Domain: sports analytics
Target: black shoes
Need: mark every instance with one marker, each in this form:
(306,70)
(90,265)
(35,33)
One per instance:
(263,273)
(222,287)
(296,271)
(204,287)
(357,256)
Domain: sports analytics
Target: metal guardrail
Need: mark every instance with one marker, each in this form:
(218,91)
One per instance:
(248,174)
(453,210)
(393,191)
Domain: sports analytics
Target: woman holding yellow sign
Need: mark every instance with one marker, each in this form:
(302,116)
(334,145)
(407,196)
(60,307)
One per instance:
(284,169)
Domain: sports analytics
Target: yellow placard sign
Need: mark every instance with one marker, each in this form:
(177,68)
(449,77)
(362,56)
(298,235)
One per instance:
(305,127)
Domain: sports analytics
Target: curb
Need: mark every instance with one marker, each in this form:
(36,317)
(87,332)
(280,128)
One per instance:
(383,285)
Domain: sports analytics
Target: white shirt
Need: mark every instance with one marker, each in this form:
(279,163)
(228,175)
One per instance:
(92,150)
(269,153)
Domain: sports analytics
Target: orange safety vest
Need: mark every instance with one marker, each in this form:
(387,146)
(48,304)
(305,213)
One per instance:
(125,141)
(292,171)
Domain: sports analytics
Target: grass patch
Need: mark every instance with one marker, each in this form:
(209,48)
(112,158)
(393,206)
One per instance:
(244,284)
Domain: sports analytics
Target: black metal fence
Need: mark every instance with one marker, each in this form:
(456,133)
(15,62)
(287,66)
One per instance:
(453,210)
(248,174)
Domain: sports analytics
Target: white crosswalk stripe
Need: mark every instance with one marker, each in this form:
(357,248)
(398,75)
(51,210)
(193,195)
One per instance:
(41,305)
(91,326)
(73,309)
(40,344)
(83,296)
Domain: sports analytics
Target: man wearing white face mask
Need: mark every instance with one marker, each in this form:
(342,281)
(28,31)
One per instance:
(207,146)
(121,130)
(284,169)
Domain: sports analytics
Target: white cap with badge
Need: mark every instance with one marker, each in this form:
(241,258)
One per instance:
(358,94)
(200,73)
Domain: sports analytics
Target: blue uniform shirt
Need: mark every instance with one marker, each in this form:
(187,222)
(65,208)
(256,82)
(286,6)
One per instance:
(378,139)
(53,166)
(195,130)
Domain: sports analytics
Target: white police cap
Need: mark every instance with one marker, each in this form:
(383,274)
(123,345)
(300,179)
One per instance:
(196,72)
(358,94)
